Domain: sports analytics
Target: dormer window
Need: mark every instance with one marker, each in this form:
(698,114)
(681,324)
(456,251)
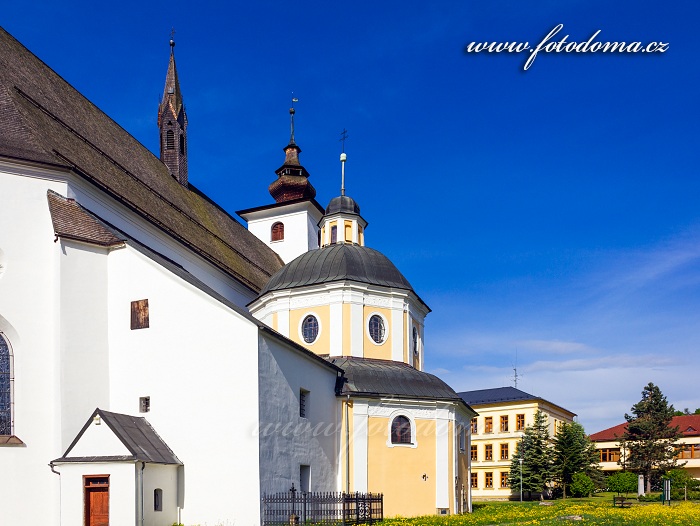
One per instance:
(277,232)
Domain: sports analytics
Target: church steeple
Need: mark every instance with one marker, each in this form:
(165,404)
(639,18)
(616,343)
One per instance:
(172,122)
(292,178)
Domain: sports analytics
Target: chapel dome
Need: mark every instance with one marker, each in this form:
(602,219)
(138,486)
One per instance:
(338,262)
(342,203)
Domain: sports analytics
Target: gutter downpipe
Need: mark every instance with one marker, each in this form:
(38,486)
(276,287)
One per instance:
(347,444)
(143,466)
(53,470)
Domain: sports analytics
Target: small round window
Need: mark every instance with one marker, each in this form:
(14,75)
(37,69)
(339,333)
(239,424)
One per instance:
(377,331)
(309,329)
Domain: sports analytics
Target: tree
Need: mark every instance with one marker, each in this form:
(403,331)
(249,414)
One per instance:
(574,453)
(581,485)
(535,451)
(622,482)
(650,440)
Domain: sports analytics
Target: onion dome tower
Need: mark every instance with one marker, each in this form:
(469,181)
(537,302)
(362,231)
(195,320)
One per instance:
(172,122)
(290,225)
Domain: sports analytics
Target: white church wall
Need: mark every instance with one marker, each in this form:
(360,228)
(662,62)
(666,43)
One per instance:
(300,228)
(135,226)
(122,492)
(288,441)
(28,292)
(197,362)
(164,478)
(84,350)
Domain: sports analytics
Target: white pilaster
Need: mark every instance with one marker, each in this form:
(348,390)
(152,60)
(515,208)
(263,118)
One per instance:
(442,461)
(359,446)
(336,329)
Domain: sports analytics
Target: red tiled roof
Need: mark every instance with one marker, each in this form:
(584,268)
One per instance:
(688,425)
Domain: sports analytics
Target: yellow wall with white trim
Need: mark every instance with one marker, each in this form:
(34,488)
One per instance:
(372,350)
(406,495)
(323,314)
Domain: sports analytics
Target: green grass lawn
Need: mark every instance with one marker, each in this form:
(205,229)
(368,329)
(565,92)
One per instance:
(596,510)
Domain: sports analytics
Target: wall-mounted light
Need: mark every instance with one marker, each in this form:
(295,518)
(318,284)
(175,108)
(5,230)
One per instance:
(97,420)
(424,477)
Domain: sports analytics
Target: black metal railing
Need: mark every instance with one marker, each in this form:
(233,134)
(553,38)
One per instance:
(299,507)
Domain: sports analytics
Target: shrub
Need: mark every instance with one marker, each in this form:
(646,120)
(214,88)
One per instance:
(622,482)
(581,485)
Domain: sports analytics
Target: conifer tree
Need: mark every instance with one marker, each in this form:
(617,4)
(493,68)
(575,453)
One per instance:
(574,453)
(535,450)
(650,440)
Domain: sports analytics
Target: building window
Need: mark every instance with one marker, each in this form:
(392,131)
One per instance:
(376,328)
(504,479)
(303,403)
(475,480)
(462,439)
(488,452)
(401,430)
(6,384)
(474,453)
(504,423)
(309,329)
(610,454)
(415,340)
(504,451)
(488,479)
(139,314)
(277,233)
(157,499)
(182,144)
(169,140)
(144,404)
(304,478)
(689,451)
(334,234)
(475,427)
(488,424)
(520,422)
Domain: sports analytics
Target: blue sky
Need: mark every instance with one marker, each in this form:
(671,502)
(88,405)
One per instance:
(553,213)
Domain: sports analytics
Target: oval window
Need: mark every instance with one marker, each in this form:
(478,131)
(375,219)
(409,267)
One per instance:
(309,329)
(376,328)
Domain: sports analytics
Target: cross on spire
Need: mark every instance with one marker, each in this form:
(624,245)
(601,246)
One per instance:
(343,137)
(292,111)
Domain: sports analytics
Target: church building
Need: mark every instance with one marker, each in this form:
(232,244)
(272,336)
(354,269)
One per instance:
(160,363)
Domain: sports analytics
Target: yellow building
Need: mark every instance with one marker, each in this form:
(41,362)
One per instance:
(404,432)
(613,455)
(504,413)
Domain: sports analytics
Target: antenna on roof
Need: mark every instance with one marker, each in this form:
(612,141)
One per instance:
(515,370)
(343,157)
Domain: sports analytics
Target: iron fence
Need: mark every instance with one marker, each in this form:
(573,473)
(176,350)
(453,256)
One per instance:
(299,507)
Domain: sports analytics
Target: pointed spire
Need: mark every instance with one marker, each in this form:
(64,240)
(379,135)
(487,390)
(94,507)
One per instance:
(172,121)
(292,178)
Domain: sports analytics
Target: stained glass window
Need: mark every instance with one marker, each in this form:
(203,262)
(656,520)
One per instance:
(5,387)
(309,329)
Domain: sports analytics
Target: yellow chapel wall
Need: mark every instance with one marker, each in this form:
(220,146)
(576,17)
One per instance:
(409,494)
(323,314)
(371,349)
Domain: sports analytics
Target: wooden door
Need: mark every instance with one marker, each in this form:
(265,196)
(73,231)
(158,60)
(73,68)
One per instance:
(96,500)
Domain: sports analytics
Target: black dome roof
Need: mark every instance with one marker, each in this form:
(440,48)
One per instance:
(343,203)
(338,262)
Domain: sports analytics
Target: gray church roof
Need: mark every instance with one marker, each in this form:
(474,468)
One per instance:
(338,262)
(45,120)
(379,378)
(137,435)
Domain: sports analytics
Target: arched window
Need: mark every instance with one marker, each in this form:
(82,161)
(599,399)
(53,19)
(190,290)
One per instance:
(169,140)
(5,387)
(401,430)
(334,234)
(376,328)
(278,231)
(415,340)
(309,329)
(157,499)
(182,144)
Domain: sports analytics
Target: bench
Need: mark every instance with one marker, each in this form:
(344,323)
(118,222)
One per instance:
(622,502)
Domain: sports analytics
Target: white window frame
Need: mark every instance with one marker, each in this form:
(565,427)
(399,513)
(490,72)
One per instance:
(411,419)
(386,327)
(300,329)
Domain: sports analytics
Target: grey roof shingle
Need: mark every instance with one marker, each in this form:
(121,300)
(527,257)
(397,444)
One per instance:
(373,377)
(137,435)
(45,120)
(70,220)
(497,394)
